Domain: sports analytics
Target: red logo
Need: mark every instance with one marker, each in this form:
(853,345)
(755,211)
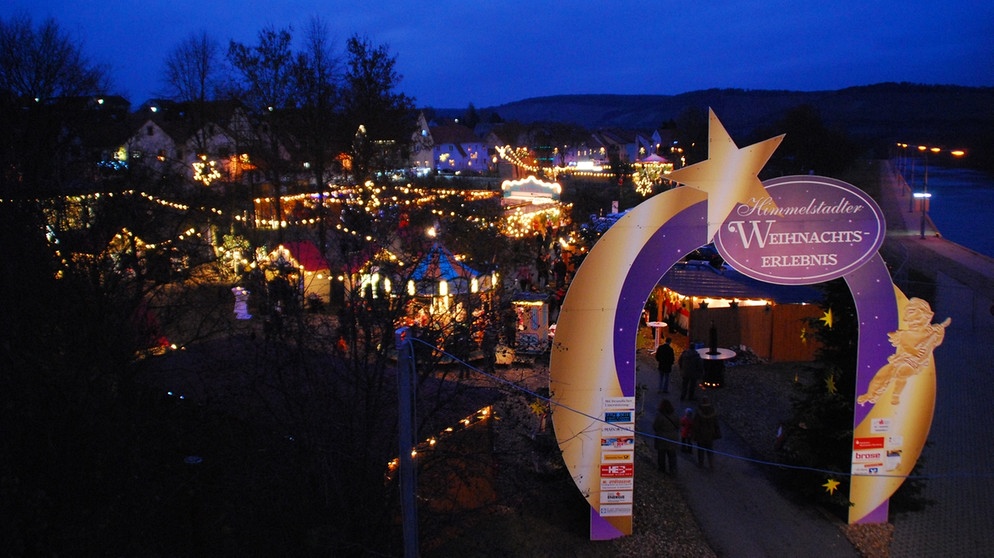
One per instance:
(875,442)
(618,470)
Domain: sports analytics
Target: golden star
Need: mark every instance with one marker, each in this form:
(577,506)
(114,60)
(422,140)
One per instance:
(827,318)
(830,384)
(729,175)
(831,485)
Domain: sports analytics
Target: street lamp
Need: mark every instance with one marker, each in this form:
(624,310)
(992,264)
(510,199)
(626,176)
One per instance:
(924,196)
(923,199)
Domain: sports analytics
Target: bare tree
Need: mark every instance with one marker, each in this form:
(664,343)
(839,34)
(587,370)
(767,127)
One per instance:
(44,62)
(194,70)
(44,114)
(381,118)
(266,85)
(316,121)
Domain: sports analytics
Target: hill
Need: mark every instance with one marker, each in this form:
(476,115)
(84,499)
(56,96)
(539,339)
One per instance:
(880,114)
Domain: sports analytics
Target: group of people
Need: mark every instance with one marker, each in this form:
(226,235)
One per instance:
(694,428)
(691,369)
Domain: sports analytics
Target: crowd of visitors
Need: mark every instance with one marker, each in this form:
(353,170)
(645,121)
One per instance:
(696,429)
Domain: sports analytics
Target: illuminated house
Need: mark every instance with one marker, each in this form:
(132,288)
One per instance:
(448,148)
(208,142)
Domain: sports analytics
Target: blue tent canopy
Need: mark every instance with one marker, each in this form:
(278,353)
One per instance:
(439,264)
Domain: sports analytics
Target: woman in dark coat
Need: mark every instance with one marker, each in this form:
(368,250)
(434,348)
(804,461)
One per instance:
(706,431)
(667,428)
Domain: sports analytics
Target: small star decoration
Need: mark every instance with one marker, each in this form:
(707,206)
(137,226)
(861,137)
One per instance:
(826,318)
(830,384)
(831,485)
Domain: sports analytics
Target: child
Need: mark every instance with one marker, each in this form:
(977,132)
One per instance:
(686,430)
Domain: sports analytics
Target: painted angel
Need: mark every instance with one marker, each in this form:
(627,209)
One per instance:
(912,350)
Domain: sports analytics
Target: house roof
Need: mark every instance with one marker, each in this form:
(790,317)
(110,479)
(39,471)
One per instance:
(453,133)
(701,279)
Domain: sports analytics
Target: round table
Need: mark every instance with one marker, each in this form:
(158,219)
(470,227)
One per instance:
(658,327)
(714,365)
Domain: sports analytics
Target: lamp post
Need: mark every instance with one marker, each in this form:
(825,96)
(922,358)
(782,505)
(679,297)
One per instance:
(923,198)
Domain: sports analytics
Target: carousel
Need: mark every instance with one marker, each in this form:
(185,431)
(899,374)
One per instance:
(443,288)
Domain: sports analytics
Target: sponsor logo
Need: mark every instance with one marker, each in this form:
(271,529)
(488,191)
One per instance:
(617,497)
(880,426)
(619,416)
(873,442)
(615,470)
(612,431)
(620,442)
(868,468)
(864,456)
(615,510)
(618,457)
(622,403)
(617,484)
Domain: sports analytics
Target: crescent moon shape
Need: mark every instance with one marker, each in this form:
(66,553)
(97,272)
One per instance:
(911,419)
(593,354)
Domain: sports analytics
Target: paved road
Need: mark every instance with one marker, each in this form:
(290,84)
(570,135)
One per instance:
(737,507)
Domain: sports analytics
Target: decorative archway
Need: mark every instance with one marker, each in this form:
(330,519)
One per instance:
(592,368)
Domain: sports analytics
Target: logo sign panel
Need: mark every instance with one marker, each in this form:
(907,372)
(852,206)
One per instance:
(617,457)
(615,510)
(618,443)
(619,416)
(610,485)
(623,403)
(617,497)
(617,470)
(868,443)
(808,230)
(612,431)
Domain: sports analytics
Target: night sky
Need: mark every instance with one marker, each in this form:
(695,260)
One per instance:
(452,53)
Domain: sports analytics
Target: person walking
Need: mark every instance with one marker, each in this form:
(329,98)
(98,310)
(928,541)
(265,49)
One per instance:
(706,431)
(691,368)
(665,357)
(687,431)
(666,428)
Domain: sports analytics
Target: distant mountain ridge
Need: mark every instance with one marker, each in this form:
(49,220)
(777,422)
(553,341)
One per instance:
(887,112)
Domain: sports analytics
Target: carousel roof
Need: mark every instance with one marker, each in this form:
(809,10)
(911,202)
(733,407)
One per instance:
(654,159)
(439,264)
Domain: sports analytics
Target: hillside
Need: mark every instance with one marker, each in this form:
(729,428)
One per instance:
(875,114)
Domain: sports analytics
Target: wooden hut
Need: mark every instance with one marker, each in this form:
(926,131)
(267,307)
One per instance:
(770,320)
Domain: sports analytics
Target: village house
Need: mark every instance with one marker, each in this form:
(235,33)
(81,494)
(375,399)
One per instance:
(448,148)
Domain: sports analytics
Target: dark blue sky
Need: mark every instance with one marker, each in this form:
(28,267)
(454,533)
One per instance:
(452,53)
